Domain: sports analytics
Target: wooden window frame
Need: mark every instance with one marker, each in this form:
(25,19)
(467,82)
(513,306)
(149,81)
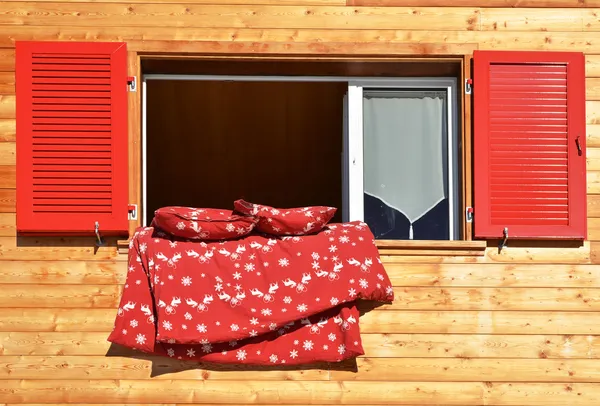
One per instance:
(465,246)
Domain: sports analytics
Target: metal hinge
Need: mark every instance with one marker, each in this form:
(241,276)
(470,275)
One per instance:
(132,83)
(468,86)
(132,212)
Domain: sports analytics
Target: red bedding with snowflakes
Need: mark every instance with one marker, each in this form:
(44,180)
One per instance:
(254,300)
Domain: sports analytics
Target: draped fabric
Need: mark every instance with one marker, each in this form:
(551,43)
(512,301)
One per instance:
(405,150)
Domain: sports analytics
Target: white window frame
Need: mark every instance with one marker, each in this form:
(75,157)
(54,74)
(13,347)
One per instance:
(353,166)
(354,176)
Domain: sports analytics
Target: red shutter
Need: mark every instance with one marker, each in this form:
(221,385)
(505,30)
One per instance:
(529,118)
(72,158)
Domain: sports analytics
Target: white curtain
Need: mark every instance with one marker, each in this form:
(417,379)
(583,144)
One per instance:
(405,150)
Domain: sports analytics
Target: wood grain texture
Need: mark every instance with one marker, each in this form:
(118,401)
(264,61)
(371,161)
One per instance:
(440,275)
(241,16)
(364,369)
(7,82)
(376,321)
(7,200)
(303,392)
(7,106)
(7,60)
(461,346)
(8,130)
(159,39)
(8,224)
(407,298)
(477,3)
(8,173)
(8,153)
(531,19)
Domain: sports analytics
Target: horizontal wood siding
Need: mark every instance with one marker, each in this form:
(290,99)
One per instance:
(516,327)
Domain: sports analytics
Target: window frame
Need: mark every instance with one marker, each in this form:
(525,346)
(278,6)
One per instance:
(354,195)
(447,83)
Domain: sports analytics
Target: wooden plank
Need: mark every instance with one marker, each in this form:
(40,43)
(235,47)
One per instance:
(134,111)
(407,298)
(493,299)
(375,345)
(593,135)
(60,296)
(241,16)
(302,392)
(594,228)
(456,369)
(244,392)
(364,369)
(159,39)
(515,275)
(7,82)
(8,153)
(451,346)
(8,225)
(592,92)
(593,205)
(590,19)
(377,321)
(401,274)
(7,200)
(531,19)
(8,130)
(230,2)
(63,272)
(593,158)
(592,66)
(593,182)
(478,3)
(57,248)
(304,48)
(7,60)
(592,110)
(7,106)
(8,174)
(142,366)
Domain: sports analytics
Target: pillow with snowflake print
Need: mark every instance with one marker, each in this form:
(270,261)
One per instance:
(291,221)
(202,224)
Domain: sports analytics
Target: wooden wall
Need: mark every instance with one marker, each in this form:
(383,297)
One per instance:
(519,327)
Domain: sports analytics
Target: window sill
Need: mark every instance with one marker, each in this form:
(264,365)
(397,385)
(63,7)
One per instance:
(403,247)
(431,247)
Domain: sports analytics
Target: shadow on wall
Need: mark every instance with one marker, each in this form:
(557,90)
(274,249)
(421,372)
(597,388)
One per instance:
(162,365)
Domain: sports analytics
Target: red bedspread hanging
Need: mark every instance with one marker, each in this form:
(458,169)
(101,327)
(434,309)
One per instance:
(254,300)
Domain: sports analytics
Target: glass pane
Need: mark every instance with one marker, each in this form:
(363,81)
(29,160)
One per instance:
(406,164)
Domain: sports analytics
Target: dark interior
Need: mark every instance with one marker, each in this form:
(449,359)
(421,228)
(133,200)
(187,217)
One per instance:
(276,143)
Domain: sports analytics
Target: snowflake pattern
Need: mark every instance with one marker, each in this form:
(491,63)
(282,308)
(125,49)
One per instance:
(219,301)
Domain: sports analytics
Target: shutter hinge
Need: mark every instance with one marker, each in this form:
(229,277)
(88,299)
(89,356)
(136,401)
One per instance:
(468,86)
(132,212)
(132,83)
(469,214)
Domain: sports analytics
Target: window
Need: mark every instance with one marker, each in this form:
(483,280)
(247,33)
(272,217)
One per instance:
(401,158)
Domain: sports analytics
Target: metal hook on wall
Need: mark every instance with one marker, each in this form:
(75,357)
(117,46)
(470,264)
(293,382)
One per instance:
(505,240)
(99,240)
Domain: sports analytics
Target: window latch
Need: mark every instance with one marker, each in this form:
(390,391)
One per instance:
(99,240)
(578,143)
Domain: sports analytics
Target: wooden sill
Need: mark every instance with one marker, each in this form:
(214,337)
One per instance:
(404,247)
(431,247)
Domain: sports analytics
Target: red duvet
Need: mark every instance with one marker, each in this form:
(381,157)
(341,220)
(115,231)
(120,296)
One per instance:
(253,300)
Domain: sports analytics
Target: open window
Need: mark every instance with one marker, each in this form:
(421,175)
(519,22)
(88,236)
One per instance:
(383,150)
(401,158)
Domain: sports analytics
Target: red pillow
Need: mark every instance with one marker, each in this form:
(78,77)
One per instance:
(203,224)
(293,221)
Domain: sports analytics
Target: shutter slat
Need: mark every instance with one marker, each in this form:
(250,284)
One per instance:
(72,146)
(529,177)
